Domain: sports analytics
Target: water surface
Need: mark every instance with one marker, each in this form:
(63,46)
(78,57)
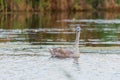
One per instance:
(26,37)
(39,31)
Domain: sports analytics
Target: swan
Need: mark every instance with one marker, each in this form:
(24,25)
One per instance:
(67,53)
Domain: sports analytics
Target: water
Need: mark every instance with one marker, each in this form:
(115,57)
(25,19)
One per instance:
(34,31)
(26,37)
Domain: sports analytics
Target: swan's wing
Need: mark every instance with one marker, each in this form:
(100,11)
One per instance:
(61,52)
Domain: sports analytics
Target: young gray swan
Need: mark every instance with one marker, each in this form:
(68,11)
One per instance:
(66,53)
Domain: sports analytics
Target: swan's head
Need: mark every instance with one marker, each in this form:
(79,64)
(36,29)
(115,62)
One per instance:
(78,28)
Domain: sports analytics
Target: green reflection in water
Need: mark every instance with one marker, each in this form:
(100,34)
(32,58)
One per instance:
(51,29)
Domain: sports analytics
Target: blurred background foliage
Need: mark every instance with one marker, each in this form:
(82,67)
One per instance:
(60,5)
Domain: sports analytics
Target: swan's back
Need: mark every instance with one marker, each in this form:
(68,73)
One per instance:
(61,52)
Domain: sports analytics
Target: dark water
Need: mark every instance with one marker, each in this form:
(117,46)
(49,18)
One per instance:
(98,28)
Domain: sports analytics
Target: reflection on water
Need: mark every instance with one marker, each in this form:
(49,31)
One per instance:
(98,28)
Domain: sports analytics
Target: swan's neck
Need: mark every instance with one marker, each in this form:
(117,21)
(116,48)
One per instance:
(77,44)
(77,39)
